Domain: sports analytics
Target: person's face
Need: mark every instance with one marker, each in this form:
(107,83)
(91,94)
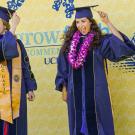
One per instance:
(83,25)
(2,27)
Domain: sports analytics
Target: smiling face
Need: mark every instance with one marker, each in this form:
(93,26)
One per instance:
(83,25)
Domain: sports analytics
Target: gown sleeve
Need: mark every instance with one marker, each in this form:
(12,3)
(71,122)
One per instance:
(62,72)
(8,47)
(29,79)
(114,49)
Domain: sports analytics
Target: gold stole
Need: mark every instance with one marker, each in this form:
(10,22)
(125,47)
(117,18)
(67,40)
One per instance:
(10,99)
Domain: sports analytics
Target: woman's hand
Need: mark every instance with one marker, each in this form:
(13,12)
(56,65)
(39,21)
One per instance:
(14,22)
(31,96)
(64,94)
(104,17)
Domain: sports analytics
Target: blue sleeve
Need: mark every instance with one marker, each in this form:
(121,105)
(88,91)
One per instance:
(114,49)
(8,47)
(62,72)
(29,79)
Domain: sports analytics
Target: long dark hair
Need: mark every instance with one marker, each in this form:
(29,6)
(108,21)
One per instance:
(69,34)
(6,24)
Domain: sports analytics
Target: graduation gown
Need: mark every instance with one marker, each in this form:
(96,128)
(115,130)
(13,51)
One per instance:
(88,101)
(8,51)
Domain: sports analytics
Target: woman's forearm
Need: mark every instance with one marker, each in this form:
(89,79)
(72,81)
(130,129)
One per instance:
(105,19)
(114,30)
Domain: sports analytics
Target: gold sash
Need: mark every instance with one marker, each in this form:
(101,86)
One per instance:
(10,99)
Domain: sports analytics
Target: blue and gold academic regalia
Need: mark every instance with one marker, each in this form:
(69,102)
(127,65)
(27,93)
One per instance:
(9,51)
(88,101)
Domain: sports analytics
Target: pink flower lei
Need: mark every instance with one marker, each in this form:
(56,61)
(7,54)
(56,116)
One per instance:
(77,60)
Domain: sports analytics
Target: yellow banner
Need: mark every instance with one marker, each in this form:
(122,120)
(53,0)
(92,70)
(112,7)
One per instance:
(40,30)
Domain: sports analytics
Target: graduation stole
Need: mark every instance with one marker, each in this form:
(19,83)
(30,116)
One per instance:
(10,98)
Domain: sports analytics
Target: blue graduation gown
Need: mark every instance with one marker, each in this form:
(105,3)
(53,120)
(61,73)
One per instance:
(8,51)
(89,106)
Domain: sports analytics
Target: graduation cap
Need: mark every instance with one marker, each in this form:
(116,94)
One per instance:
(84,11)
(6,13)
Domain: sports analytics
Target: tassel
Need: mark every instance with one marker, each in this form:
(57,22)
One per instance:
(84,125)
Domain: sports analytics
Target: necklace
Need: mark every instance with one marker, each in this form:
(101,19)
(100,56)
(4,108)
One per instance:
(77,60)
